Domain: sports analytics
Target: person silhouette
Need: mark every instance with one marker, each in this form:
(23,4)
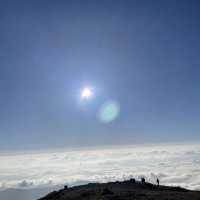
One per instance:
(143,180)
(158,182)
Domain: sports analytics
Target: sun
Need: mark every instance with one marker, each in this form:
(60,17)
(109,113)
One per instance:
(86,93)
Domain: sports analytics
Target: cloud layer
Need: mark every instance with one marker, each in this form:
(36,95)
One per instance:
(173,164)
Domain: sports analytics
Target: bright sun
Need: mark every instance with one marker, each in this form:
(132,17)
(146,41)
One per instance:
(86,93)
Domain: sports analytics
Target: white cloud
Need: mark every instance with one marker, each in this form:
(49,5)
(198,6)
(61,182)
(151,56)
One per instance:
(25,183)
(173,164)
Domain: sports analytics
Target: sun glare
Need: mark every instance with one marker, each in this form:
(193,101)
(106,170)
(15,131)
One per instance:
(86,93)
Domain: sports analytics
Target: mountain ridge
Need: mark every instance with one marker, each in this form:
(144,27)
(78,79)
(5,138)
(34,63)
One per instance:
(125,190)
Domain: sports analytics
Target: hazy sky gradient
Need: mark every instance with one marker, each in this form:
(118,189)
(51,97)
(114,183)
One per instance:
(142,54)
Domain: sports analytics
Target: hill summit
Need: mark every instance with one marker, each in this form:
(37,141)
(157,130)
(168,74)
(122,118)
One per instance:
(126,190)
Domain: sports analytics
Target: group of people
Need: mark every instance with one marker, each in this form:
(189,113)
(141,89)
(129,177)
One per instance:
(157,180)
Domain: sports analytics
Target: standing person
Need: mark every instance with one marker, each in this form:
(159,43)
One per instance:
(158,182)
(143,180)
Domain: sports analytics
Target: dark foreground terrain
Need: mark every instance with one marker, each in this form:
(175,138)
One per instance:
(123,191)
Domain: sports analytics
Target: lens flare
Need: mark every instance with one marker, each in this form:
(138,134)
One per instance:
(109,111)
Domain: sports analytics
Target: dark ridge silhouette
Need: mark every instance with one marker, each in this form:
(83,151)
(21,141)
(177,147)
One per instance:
(126,190)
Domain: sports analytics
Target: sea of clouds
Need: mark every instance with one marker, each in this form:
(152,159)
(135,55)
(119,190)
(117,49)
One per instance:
(173,164)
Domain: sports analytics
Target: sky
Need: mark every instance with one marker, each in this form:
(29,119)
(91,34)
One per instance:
(142,56)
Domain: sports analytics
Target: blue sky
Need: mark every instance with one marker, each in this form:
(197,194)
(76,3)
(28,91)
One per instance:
(144,55)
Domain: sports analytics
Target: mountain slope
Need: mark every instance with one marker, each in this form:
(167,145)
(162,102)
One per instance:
(127,190)
(25,194)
